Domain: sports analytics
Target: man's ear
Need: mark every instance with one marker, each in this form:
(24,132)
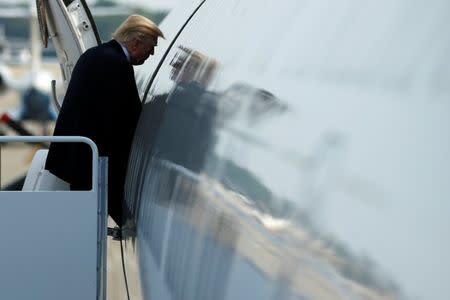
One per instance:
(134,44)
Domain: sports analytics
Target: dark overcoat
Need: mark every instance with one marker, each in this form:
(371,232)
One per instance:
(103,104)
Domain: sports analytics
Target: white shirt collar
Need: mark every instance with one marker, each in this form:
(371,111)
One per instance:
(125,50)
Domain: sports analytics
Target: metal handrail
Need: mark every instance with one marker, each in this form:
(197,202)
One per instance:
(61,139)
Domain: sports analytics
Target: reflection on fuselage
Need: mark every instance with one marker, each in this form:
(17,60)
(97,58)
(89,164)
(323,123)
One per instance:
(310,171)
(183,221)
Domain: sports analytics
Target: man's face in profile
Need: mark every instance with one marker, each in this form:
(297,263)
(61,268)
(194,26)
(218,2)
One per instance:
(141,49)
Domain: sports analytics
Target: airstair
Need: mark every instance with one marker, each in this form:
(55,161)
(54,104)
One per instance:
(53,241)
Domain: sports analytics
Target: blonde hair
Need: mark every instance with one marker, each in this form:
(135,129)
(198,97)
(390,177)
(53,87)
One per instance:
(136,26)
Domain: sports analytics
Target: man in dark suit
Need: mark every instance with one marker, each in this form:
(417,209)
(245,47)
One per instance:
(103,104)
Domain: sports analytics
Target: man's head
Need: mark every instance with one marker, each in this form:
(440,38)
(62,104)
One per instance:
(140,36)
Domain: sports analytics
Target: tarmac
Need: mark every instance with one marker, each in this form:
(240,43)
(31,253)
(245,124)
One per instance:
(15,159)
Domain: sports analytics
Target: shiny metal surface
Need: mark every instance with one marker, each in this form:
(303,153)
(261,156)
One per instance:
(294,150)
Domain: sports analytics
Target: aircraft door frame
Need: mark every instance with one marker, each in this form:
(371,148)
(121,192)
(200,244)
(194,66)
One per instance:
(70,26)
(162,60)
